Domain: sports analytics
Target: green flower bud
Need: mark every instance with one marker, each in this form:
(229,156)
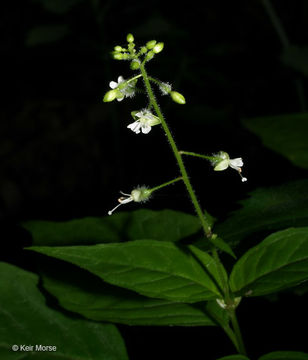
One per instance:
(130,38)
(118,48)
(143,50)
(151,44)
(117,56)
(135,64)
(158,47)
(149,56)
(177,97)
(110,95)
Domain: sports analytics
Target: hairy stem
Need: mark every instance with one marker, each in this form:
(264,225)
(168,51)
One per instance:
(166,184)
(203,215)
(189,153)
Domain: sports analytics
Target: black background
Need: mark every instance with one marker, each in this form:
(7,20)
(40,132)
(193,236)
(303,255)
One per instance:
(65,154)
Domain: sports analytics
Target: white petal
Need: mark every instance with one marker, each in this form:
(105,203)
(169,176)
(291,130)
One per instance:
(113,84)
(126,200)
(146,129)
(120,79)
(139,114)
(135,127)
(238,162)
(120,98)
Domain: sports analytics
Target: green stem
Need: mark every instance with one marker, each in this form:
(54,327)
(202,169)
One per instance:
(203,216)
(133,78)
(237,332)
(189,153)
(166,184)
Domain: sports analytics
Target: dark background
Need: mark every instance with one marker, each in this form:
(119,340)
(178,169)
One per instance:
(65,154)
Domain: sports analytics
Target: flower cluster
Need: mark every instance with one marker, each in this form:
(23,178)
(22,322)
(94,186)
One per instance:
(145,119)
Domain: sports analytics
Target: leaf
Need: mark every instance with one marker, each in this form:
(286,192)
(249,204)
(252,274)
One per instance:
(278,262)
(165,225)
(235,357)
(46,34)
(267,209)
(25,319)
(85,294)
(285,355)
(297,58)
(223,246)
(58,6)
(284,134)
(149,267)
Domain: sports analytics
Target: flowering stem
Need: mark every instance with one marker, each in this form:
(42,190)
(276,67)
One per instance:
(166,184)
(203,216)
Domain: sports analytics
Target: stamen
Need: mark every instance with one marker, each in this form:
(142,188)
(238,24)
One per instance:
(111,211)
(122,200)
(243,178)
(123,193)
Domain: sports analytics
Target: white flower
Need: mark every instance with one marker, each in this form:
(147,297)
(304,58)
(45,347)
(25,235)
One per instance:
(144,121)
(223,162)
(127,89)
(140,194)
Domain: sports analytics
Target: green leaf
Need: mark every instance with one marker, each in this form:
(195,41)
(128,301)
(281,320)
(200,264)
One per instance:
(85,294)
(165,225)
(297,58)
(223,246)
(25,319)
(46,34)
(285,355)
(278,262)
(58,6)
(149,267)
(267,209)
(235,357)
(284,134)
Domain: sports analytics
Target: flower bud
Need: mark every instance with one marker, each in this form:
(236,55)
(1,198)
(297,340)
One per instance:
(143,50)
(110,95)
(177,97)
(149,56)
(118,48)
(117,55)
(135,64)
(151,44)
(130,38)
(158,47)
